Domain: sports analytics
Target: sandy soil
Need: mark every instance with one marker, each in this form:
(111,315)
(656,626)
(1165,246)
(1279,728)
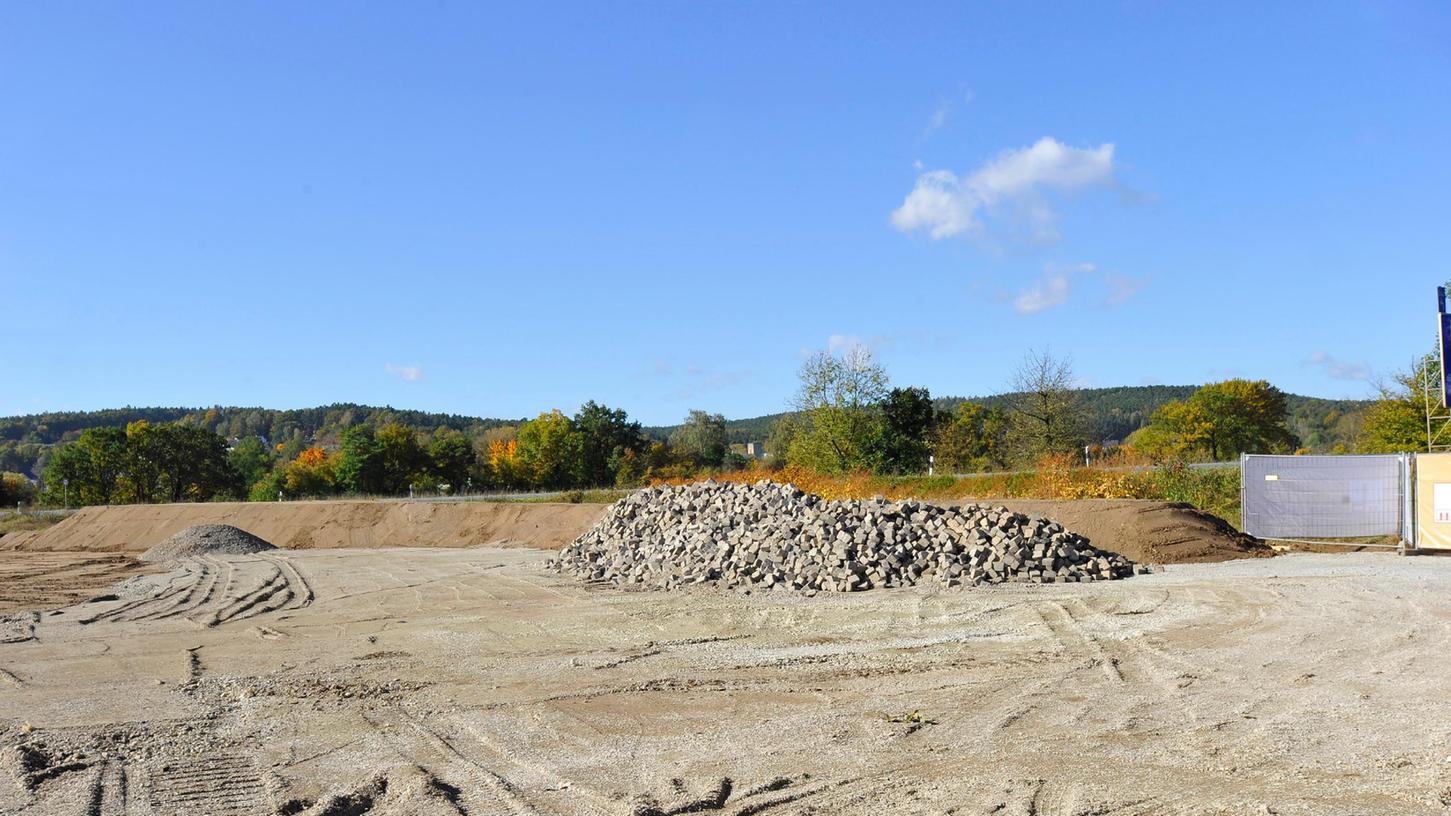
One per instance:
(472,681)
(320,524)
(1154,532)
(45,580)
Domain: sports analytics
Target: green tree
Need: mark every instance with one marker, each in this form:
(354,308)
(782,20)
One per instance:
(451,459)
(839,403)
(145,452)
(360,463)
(973,440)
(547,448)
(193,464)
(404,460)
(780,436)
(702,438)
(250,460)
(93,464)
(604,437)
(904,439)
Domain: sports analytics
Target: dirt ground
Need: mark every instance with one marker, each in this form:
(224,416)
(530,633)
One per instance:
(393,681)
(46,580)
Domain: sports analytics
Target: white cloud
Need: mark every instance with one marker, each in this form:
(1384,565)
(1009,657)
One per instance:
(1121,287)
(1011,187)
(408,373)
(1055,285)
(1339,369)
(1050,290)
(838,343)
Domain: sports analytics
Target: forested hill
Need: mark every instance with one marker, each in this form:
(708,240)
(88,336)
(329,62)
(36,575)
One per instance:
(1114,413)
(275,425)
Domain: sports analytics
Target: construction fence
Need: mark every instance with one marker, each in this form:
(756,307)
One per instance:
(1404,495)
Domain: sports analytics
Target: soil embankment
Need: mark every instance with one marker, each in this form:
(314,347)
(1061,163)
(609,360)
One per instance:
(320,525)
(1146,531)
(1152,532)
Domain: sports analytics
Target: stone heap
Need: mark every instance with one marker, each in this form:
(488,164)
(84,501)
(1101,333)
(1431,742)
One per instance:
(769,535)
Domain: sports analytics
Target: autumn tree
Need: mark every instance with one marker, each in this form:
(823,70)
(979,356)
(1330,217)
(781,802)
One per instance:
(1221,421)
(546,451)
(1396,421)
(310,474)
(1045,413)
(503,461)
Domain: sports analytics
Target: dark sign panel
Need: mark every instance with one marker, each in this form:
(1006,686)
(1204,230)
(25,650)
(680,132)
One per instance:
(1445,329)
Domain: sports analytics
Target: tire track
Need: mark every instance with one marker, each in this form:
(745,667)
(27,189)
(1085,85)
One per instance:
(426,747)
(216,785)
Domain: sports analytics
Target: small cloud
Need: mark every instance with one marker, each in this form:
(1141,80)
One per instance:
(1121,287)
(408,373)
(1010,190)
(1051,290)
(1339,369)
(939,118)
(838,343)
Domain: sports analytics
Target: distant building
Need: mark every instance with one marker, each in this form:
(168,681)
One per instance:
(755,450)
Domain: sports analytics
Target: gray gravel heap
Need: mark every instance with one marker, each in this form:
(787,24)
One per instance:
(770,535)
(207,539)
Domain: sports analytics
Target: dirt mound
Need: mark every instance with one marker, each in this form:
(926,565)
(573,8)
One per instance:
(768,535)
(1153,532)
(207,539)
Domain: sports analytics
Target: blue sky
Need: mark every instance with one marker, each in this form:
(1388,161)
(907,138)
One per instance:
(500,209)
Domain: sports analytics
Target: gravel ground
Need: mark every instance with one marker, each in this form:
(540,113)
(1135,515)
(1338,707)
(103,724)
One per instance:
(475,681)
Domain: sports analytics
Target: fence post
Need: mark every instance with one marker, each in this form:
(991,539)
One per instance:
(1243,519)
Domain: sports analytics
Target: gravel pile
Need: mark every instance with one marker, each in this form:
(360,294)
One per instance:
(206,539)
(769,535)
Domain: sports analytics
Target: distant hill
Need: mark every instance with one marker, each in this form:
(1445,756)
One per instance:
(1114,413)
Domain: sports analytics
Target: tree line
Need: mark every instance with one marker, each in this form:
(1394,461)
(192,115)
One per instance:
(846,417)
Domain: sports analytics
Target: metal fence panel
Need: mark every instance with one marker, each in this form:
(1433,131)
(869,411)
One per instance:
(1322,496)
